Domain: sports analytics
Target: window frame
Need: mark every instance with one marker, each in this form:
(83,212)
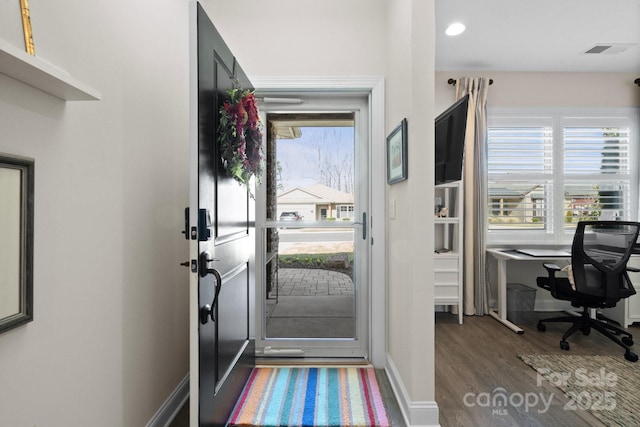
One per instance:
(560,118)
(347,209)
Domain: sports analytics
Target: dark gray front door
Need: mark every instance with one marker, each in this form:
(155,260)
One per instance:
(225,242)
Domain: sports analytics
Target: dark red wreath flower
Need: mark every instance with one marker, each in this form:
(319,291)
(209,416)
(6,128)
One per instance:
(240,136)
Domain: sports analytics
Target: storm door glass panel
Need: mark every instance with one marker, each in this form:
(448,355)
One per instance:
(311,290)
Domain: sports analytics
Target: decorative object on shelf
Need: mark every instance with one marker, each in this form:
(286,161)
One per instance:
(26,27)
(443,212)
(240,136)
(437,206)
(397,153)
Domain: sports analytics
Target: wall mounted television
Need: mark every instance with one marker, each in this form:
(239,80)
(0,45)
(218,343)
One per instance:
(451,127)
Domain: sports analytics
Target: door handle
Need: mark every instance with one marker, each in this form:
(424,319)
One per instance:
(205,259)
(364,225)
(207,311)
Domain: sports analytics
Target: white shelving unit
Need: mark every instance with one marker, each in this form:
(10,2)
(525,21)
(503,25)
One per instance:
(42,75)
(448,244)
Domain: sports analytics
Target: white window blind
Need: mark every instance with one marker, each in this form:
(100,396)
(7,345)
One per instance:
(520,160)
(545,174)
(596,173)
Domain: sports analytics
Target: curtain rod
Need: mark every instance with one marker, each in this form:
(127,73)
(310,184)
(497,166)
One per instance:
(453,82)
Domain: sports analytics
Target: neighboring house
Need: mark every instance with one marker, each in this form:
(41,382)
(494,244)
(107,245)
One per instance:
(514,202)
(316,203)
(526,204)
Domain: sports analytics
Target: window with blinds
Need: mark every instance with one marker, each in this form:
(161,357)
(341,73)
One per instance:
(545,174)
(519,163)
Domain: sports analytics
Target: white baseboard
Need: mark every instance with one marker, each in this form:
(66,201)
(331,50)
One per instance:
(170,408)
(415,413)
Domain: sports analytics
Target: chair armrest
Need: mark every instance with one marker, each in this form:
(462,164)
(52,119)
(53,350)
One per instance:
(551,268)
(549,283)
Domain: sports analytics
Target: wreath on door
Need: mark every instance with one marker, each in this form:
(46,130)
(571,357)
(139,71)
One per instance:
(240,136)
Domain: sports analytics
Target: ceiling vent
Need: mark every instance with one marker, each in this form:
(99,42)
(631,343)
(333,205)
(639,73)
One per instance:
(610,48)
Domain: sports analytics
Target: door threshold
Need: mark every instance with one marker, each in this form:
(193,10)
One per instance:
(318,361)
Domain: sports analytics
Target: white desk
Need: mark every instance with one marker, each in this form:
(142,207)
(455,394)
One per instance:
(502,256)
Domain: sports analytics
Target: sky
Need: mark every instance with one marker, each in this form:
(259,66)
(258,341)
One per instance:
(300,157)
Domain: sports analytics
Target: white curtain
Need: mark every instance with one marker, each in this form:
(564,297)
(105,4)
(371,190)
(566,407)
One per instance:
(475,194)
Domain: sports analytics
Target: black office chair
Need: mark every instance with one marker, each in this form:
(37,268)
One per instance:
(599,256)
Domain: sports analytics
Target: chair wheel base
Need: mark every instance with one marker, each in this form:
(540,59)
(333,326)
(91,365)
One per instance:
(631,357)
(627,341)
(564,345)
(542,327)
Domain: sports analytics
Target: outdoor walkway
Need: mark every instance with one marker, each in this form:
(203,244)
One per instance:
(329,314)
(313,282)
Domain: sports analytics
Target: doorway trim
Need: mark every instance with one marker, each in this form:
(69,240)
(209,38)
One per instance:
(374,86)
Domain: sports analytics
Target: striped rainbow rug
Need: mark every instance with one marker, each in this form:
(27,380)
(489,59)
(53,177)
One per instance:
(309,397)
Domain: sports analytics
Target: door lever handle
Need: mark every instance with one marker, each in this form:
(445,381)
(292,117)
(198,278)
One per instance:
(363,224)
(207,311)
(205,259)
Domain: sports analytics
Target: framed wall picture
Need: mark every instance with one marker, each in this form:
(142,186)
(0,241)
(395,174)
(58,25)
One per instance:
(16,240)
(397,153)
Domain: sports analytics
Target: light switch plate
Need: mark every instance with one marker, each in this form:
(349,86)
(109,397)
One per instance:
(392,208)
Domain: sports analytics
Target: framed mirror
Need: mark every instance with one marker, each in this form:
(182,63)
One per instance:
(16,241)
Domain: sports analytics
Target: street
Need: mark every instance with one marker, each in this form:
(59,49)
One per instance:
(289,235)
(315,240)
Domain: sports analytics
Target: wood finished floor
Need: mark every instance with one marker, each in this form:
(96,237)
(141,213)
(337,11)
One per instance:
(482,355)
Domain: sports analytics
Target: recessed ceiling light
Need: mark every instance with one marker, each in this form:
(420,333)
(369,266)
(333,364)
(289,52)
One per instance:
(455,29)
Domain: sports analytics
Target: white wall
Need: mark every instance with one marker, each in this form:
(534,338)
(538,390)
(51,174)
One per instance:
(310,38)
(547,89)
(109,340)
(410,235)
